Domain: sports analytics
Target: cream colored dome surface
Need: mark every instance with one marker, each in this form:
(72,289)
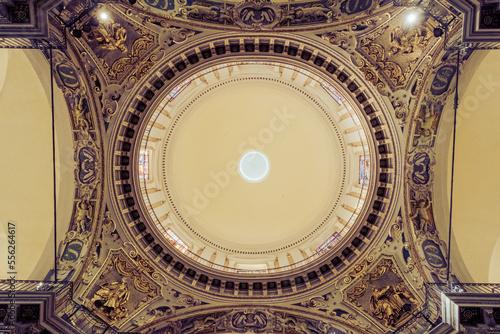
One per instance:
(220,127)
(204,126)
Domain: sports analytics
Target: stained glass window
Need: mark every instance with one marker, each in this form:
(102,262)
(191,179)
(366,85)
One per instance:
(179,88)
(332,241)
(175,240)
(364,169)
(333,92)
(144,165)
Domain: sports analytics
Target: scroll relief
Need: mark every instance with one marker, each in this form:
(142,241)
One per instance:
(252,320)
(420,168)
(87,168)
(266,15)
(122,50)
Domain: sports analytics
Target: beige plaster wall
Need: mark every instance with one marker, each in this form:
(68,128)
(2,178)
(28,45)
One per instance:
(475,246)
(26,195)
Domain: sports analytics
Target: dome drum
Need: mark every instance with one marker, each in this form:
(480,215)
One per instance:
(197,269)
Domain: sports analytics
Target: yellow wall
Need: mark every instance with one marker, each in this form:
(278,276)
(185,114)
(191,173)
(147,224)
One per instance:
(26,169)
(476,204)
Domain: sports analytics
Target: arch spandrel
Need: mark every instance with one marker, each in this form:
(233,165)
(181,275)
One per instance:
(76,250)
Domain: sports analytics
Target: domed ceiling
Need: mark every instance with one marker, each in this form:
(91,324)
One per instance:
(253,167)
(313,189)
(316,124)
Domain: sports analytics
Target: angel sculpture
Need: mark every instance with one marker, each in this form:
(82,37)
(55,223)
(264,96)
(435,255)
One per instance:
(111,36)
(389,305)
(424,220)
(115,297)
(84,213)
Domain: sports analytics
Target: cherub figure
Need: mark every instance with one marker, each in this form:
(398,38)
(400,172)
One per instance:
(115,297)
(421,214)
(84,213)
(81,122)
(111,36)
(390,303)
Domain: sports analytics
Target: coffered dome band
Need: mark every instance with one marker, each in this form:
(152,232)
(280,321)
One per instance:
(194,266)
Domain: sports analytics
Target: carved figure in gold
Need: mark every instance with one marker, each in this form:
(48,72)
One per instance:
(286,15)
(401,292)
(81,121)
(311,13)
(406,40)
(84,212)
(112,299)
(201,325)
(227,13)
(422,213)
(294,325)
(111,36)
(206,12)
(389,304)
(427,122)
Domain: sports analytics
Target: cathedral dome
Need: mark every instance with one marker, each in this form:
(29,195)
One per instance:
(324,142)
(202,132)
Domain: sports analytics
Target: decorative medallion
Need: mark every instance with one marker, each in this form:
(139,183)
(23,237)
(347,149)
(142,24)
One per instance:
(255,15)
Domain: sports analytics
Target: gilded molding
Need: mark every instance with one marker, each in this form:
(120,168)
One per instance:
(76,249)
(383,294)
(135,288)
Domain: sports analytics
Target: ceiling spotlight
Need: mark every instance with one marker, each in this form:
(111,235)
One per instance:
(438,32)
(103,16)
(411,17)
(132,1)
(76,33)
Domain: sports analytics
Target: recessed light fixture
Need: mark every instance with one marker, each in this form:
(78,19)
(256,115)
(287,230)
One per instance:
(254,166)
(103,16)
(412,17)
